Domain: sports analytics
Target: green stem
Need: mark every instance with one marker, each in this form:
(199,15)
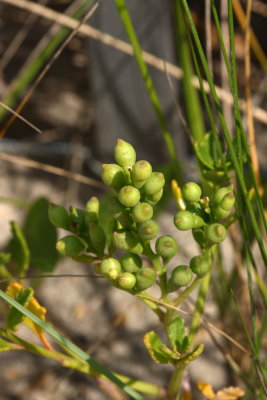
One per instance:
(199,306)
(175,383)
(186,292)
(150,302)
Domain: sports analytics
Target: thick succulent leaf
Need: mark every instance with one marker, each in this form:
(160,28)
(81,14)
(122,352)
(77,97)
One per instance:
(155,348)
(177,334)
(41,236)
(192,356)
(19,249)
(15,317)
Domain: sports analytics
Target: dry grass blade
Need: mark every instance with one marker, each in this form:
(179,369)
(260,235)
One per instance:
(150,59)
(251,131)
(52,170)
(48,66)
(20,117)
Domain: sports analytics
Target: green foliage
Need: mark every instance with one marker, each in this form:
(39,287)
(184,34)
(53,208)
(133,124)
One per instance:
(41,236)
(15,317)
(19,249)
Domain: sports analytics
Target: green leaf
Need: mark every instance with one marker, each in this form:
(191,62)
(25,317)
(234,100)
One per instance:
(41,236)
(4,257)
(18,248)
(191,356)
(15,317)
(157,349)
(177,334)
(205,152)
(106,221)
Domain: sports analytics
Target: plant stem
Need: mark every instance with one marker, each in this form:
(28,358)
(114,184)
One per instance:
(186,292)
(199,307)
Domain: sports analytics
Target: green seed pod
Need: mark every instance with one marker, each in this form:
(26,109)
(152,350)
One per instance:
(97,238)
(70,246)
(148,230)
(219,213)
(142,212)
(200,265)
(124,154)
(129,196)
(219,194)
(166,246)
(131,262)
(227,201)
(127,240)
(198,221)
(184,220)
(113,175)
(115,207)
(153,199)
(127,280)
(140,172)
(180,276)
(145,278)
(215,233)
(59,216)
(92,210)
(110,268)
(191,191)
(154,183)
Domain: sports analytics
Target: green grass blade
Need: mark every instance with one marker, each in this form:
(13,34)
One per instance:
(126,20)
(35,67)
(228,139)
(258,365)
(72,347)
(190,94)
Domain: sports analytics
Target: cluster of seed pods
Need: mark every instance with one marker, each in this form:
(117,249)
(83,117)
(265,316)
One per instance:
(137,189)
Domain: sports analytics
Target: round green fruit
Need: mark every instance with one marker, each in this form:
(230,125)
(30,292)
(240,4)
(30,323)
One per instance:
(191,191)
(92,210)
(148,230)
(227,201)
(131,262)
(154,183)
(153,199)
(142,212)
(145,278)
(124,154)
(127,280)
(200,265)
(184,220)
(113,175)
(140,172)
(219,194)
(70,246)
(166,246)
(110,268)
(215,233)
(129,196)
(180,276)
